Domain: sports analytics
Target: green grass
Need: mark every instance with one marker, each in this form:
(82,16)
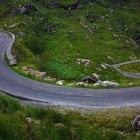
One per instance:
(57,53)
(111,124)
(67,2)
(134,67)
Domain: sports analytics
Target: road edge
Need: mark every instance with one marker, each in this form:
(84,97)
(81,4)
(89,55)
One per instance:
(124,73)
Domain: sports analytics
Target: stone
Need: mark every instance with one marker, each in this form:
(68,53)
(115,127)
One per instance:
(109,84)
(136,124)
(89,79)
(60,82)
(22,10)
(12,26)
(25,9)
(111,58)
(96,84)
(130,84)
(49,29)
(104,65)
(13,62)
(81,84)
(42,20)
(50,79)
(60,126)
(29,120)
(31,71)
(96,75)
(85,61)
(40,74)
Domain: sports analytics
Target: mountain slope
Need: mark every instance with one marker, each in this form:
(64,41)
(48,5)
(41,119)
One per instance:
(72,39)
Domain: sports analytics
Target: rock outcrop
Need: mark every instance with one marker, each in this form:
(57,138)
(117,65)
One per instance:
(24,9)
(109,84)
(136,124)
(89,79)
(29,70)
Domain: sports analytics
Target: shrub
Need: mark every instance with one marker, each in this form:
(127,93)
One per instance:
(35,44)
(8,105)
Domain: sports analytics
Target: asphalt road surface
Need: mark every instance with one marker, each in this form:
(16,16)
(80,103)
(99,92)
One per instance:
(24,88)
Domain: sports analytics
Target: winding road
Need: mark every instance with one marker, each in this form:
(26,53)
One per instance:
(128,74)
(24,88)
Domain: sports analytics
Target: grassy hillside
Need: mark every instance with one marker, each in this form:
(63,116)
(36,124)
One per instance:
(52,36)
(22,123)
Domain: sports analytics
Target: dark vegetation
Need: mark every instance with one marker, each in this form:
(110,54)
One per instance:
(52,35)
(30,123)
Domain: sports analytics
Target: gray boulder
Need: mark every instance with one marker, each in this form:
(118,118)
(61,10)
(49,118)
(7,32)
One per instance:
(136,124)
(89,79)
(21,10)
(25,9)
(109,84)
(81,84)
(60,82)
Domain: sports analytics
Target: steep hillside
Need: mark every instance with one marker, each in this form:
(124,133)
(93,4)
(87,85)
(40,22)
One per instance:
(30,123)
(72,39)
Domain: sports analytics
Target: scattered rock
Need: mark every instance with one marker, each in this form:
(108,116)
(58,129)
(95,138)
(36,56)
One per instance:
(111,58)
(30,70)
(123,47)
(85,61)
(130,84)
(39,74)
(96,76)
(13,62)
(81,84)
(96,84)
(50,29)
(42,20)
(61,82)
(91,17)
(104,65)
(109,84)
(118,37)
(89,79)
(133,57)
(50,79)
(21,10)
(136,124)
(29,120)
(12,26)
(24,9)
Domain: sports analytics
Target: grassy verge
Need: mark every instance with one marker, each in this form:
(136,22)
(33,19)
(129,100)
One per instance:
(36,123)
(134,68)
